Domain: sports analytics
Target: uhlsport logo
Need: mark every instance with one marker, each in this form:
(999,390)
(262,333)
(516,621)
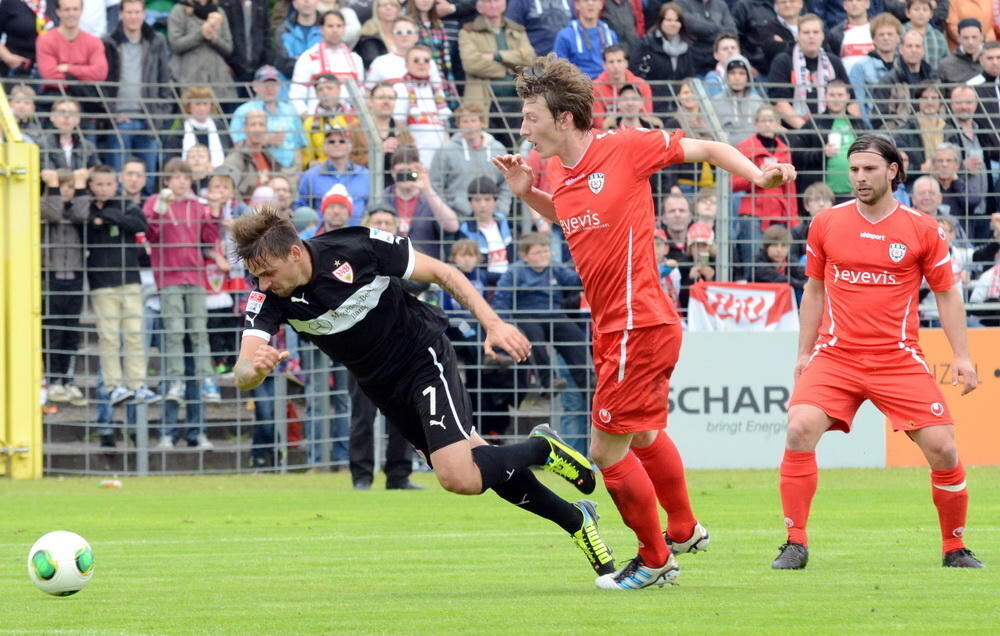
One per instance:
(937,409)
(596,182)
(605,415)
(897,251)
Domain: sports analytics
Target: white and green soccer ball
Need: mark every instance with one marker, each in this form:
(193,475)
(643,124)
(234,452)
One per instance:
(61,563)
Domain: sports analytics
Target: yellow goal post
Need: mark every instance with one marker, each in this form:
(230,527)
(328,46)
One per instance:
(20,302)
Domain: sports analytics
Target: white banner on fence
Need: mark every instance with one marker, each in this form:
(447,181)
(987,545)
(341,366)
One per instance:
(742,307)
(728,400)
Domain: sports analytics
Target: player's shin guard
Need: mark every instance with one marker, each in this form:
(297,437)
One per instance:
(798,485)
(498,464)
(662,462)
(525,491)
(952,501)
(635,497)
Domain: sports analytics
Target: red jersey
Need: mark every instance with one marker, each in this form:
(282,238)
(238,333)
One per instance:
(605,207)
(872,274)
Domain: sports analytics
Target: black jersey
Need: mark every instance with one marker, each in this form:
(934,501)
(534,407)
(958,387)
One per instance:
(354,308)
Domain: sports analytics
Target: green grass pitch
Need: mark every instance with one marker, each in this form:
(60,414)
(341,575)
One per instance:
(301,554)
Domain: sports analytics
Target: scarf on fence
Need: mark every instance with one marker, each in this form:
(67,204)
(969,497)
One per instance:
(800,77)
(437,40)
(192,130)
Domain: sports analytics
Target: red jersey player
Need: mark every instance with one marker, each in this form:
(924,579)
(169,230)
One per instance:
(858,340)
(604,204)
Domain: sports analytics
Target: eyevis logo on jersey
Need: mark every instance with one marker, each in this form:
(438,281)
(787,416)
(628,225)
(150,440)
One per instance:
(853,277)
(596,182)
(586,221)
(897,251)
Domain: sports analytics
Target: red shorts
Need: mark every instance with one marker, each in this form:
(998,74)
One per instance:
(633,378)
(898,382)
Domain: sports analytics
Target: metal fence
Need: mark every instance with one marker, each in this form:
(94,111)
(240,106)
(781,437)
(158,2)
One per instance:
(301,418)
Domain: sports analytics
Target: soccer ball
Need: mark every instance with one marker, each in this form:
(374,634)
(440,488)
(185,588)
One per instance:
(61,563)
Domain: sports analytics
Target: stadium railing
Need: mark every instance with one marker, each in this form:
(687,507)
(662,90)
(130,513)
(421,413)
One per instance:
(72,433)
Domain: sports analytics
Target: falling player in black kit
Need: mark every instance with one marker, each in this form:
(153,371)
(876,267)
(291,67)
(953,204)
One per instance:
(341,291)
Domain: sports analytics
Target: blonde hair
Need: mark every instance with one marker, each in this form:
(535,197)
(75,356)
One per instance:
(463,246)
(198,94)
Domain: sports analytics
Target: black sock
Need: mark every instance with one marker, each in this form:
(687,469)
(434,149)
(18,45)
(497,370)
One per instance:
(525,491)
(499,463)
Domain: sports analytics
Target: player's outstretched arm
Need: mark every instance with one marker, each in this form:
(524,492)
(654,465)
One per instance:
(732,160)
(519,178)
(810,313)
(498,333)
(952,311)
(257,360)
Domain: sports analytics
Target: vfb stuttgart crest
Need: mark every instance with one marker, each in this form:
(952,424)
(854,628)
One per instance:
(596,182)
(897,251)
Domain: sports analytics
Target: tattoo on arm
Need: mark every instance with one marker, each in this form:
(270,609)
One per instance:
(451,285)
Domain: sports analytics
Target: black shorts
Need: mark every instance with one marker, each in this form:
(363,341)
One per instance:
(430,405)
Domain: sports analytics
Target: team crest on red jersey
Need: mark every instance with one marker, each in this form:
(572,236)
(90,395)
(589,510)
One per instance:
(344,273)
(897,251)
(596,182)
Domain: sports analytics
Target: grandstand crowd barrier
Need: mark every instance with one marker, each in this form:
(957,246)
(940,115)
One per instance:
(72,433)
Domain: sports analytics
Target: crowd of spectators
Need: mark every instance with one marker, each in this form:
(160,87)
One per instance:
(159,122)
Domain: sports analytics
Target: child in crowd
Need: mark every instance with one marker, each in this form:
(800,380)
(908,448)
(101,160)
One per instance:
(816,198)
(224,275)
(200,125)
(466,256)
(494,381)
(772,265)
(701,251)
(113,277)
(489,229)
(22,102)
(199,159)
(182,232)
(537,294)
(706,207)
(65,206)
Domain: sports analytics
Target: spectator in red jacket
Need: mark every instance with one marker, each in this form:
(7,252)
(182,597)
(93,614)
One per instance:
(182,231)
(760,208)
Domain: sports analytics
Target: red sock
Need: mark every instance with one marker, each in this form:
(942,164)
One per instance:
(635,498)
(665,468)
(798,485)
(952,500)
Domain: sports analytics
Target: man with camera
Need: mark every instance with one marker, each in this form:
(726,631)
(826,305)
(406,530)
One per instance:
(424,217)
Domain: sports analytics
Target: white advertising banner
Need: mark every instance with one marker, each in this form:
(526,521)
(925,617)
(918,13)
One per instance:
(728,401)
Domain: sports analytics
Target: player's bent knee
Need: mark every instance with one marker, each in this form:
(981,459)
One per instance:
(460,482)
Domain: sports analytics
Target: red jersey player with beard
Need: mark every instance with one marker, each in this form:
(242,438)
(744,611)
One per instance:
(604,204)
(866,259)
